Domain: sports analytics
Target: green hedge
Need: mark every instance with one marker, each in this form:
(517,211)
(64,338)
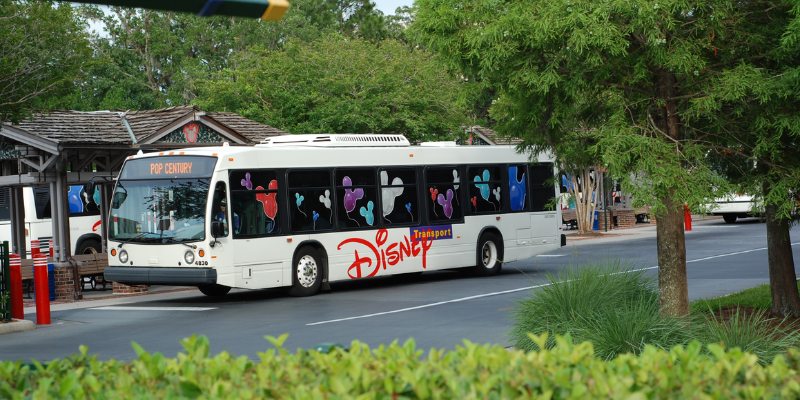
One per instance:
(403,371)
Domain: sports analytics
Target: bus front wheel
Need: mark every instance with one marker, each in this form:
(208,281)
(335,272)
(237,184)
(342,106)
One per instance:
(306,272)
(489,258)
(214,290)
(729,218)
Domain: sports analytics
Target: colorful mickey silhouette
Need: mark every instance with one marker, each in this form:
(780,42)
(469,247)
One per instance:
(326,201)
(517,189)
(388,195)
(246,182)
(351,196)
(446,202)
(483,187)
(367,213)
(268,200)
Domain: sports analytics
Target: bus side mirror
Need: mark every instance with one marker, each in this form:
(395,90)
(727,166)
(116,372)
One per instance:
(217,229)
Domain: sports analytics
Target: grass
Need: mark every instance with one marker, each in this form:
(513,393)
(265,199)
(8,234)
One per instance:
(758,297)
(617,311)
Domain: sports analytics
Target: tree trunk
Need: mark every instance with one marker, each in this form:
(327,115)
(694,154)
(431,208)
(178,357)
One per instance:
(672,283)
(584,188)
(782,278)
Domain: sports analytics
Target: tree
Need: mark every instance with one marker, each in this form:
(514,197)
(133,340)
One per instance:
(341,85)
(626,70)
(41,49)
(754,109)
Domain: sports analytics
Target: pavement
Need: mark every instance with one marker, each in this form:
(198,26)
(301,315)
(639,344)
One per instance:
(104,297)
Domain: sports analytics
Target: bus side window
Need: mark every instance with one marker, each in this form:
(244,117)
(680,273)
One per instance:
(518,198)
(310,200)
(542,186)
(255,199)
(356,198)
(399,196)
(443,194)
(485,193)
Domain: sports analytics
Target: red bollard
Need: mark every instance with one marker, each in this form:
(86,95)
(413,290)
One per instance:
(687,218)
(17,308)
(41,287)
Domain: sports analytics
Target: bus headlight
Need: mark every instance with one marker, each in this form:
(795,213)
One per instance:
(123,256)
(189,257)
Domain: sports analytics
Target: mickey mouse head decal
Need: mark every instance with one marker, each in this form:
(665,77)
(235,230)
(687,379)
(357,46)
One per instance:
(367,213)
(446,202)
(516,189)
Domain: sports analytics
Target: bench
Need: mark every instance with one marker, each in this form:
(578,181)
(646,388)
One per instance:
(91,268)
(569,218)
(90,271)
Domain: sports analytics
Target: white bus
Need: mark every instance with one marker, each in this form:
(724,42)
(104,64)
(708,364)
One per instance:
(303,210)
(84,217)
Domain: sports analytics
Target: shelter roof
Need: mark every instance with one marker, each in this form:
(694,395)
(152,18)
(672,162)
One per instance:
(108,127)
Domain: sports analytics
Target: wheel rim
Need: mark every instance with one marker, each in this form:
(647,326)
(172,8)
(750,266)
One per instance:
(489,254)
(306,271)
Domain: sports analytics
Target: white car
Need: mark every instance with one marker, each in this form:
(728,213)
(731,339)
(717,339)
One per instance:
(736,206)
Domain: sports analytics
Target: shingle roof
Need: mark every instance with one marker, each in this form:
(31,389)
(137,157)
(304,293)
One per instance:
(99,127)
(248,128)
(147,122)
(106,127)
(493,136)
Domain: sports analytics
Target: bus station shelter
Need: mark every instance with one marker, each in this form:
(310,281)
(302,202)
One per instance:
(64,148)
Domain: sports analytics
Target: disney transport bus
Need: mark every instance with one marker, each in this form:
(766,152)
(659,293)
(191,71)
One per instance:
(306,210)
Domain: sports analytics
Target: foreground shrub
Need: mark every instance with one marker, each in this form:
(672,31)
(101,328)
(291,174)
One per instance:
(754,332)
(470,371)
(615,309)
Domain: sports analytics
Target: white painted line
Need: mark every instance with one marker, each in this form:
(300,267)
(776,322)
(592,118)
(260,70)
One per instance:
(551,255)
(478,296)
(124,308)
(430,305)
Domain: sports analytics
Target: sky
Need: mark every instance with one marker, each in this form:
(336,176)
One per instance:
(388,6)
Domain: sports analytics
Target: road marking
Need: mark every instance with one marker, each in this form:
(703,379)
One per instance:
(551,255)
(479,296)
(124,308)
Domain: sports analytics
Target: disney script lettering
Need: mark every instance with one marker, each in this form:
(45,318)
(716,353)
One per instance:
(376,256)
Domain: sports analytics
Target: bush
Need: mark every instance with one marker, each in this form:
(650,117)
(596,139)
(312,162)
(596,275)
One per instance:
(614,308)
(470,371)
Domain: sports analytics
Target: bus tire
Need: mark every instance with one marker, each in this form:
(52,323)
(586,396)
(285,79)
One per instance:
(729,218)
(88,246)
(489,255)
(306,272)
(214,290)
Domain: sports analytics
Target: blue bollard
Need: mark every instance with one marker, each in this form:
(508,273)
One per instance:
(51,280)
(596,221)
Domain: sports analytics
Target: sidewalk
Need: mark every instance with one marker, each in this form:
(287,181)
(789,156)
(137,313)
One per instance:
(638,231)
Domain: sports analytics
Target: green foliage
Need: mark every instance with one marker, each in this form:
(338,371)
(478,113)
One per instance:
(470,371)
(341,85)
(754,333)
(614,309)
(42,46)
(758,297)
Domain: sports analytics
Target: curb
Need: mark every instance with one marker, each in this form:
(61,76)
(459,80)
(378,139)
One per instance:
(17,325)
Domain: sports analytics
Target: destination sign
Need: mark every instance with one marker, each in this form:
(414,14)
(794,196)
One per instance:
(168,167)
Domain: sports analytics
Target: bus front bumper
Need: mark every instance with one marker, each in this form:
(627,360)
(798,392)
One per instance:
(161,276)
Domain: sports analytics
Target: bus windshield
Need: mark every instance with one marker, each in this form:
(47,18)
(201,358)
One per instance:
(167,209)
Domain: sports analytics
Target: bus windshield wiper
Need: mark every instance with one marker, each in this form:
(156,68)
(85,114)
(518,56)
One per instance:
(173,240)
(133,239)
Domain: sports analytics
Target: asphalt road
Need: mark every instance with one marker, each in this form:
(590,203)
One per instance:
(438,309)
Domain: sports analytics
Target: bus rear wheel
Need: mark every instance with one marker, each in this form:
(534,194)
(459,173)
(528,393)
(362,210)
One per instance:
(306,272)
(214,290)
(489,259)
